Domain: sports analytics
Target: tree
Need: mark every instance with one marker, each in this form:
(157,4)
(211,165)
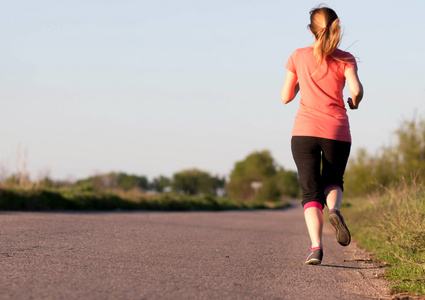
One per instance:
(98,183)
(288,183)
(219,185)
(127,182)
(194,182)
(258,167)
(411,148)
(113,181)
(160,183)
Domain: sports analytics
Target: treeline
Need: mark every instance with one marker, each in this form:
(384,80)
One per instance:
(190,182)
(403,162)
(257,178)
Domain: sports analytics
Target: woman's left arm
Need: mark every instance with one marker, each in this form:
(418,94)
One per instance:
(290,88)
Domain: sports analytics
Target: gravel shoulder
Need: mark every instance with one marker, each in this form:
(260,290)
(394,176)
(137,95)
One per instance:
(191,255)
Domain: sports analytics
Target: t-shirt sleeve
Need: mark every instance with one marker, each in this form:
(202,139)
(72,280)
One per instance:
(350,61)
(290,65)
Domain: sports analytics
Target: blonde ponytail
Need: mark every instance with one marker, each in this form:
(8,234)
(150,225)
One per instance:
(324,24)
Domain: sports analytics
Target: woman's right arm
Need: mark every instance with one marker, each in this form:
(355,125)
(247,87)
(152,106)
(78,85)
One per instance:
(355,86)
(290,88)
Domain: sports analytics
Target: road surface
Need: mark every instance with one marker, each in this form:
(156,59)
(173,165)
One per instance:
(190,255)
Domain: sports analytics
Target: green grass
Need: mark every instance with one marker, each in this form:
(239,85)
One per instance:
(392,225)
(19,199)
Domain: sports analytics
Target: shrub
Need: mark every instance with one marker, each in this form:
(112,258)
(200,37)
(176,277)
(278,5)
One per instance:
(405,161)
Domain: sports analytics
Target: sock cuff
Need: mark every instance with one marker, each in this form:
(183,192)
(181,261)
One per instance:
(313,204)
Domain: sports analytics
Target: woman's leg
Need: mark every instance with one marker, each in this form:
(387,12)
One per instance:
(314,220)
(335,157)
(333,196)
(307,156)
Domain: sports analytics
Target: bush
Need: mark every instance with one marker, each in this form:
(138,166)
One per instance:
(403,162)
(74,199)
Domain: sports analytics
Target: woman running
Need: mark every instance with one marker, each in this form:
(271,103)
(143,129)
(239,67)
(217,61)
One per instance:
(321,138)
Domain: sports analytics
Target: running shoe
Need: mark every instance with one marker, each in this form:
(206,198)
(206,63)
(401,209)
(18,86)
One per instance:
(315,256)
(342,233)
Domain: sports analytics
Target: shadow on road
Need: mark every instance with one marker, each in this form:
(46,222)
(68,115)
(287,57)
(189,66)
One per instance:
(348,267)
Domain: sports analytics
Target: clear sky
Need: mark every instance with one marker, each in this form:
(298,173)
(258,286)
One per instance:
(154,87)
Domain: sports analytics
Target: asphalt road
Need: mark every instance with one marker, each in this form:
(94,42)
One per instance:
(193,255)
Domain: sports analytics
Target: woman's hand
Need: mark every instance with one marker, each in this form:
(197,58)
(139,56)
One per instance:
(351,104)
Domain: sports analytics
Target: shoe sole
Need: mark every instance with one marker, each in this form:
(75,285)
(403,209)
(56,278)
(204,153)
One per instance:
(313,262)
(342,234)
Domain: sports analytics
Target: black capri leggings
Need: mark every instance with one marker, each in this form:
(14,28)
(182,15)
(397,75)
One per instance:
(321,163)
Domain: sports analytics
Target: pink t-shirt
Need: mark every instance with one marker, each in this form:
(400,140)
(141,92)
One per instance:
(322,110)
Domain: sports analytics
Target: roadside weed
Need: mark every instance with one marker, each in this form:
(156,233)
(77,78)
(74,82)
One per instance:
(392,225)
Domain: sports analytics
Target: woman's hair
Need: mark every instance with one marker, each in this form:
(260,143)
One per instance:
(324,24)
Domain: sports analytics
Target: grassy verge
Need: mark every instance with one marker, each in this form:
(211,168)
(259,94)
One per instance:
(392,225)
(69,199)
